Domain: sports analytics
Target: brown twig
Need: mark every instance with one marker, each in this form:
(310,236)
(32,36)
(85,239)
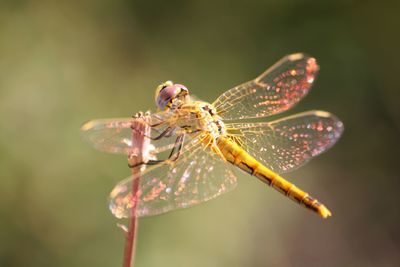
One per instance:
(140,150)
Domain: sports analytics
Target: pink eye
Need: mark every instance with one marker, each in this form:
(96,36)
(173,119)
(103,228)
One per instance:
(167,94)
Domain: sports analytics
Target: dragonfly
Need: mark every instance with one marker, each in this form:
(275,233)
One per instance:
(196,147)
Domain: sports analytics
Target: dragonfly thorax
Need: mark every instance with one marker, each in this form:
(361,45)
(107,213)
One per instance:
(200,116)
(193,116)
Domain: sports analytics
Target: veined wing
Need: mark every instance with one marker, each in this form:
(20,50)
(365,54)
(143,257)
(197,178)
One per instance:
(286,144)
(277,89)
(115,135)
(197,176)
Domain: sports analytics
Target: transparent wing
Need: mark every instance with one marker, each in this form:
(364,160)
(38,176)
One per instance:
(197,176)
(277,89)
(115,135)
(286,144)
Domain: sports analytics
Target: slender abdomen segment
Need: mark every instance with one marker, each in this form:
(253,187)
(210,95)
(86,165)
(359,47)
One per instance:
(240,158)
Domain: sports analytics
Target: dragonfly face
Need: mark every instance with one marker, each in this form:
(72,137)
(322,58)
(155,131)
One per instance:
(170,95)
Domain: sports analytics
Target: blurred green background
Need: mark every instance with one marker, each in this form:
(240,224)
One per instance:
(63,63)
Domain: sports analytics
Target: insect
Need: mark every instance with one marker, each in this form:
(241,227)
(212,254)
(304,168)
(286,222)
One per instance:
(195,145)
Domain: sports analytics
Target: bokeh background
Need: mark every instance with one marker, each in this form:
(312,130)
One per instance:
(65,62)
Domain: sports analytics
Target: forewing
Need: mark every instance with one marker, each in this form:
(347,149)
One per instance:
(277,89)
(197,176)
(286,144)
(115,135)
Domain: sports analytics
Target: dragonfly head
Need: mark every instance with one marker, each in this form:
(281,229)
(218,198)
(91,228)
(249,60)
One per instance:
(168,94)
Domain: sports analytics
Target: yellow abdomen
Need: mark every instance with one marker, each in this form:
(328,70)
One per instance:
(240,158)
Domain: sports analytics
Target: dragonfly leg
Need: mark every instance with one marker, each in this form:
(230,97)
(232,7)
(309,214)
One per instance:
(150,162)
(155,124)
(141,115)
(172,156)
(178,143)
(166,133)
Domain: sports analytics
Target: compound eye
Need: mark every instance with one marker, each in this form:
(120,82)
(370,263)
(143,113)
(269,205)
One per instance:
(165,95)
(167,92)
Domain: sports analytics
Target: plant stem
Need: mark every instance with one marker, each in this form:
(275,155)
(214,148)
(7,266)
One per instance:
(130,242)
(140,148)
